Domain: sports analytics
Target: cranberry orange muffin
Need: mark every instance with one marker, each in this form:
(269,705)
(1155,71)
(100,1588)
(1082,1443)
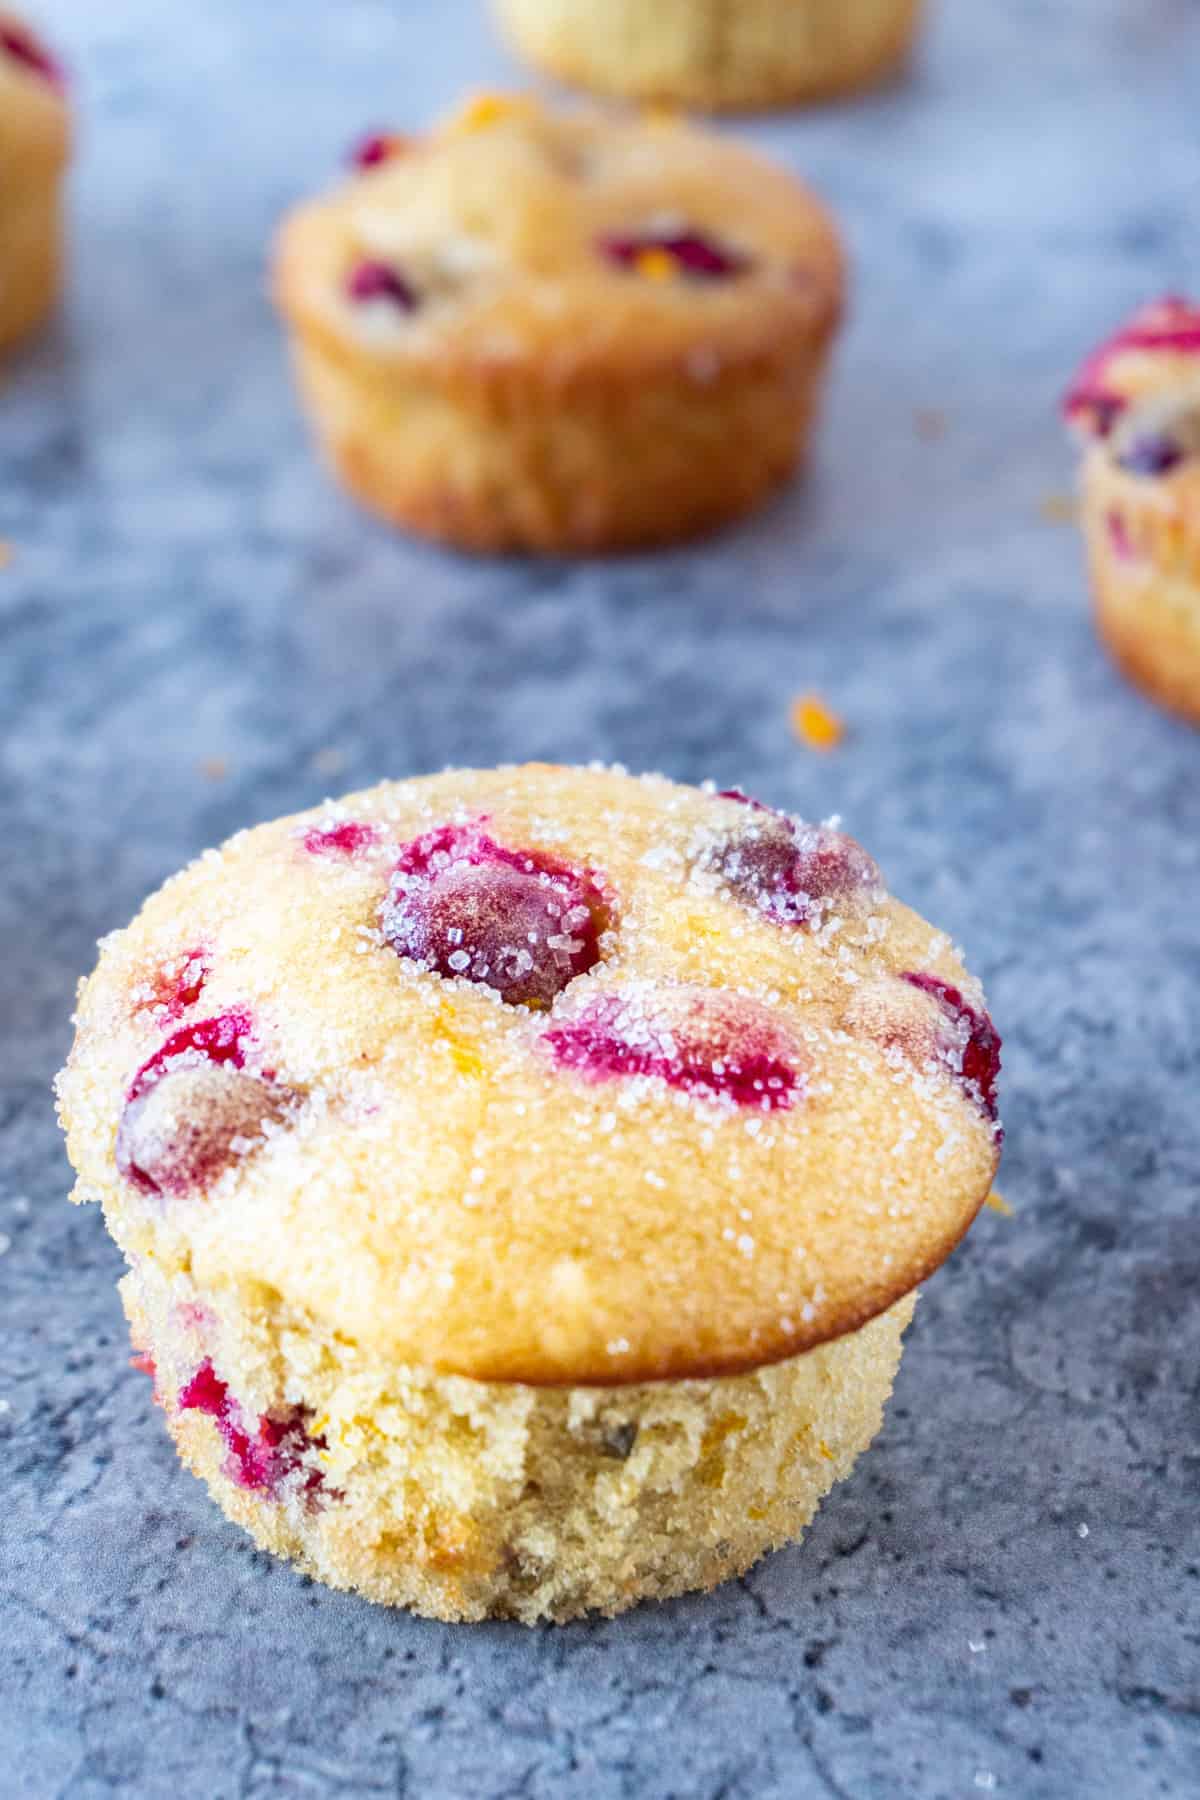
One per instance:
(1136,403)
(715,54)
(34,142)
(555,331)
(524,1177)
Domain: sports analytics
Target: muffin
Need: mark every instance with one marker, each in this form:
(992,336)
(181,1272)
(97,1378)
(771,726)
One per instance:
(34,142)
(715,54)
(524,1176)
(1136,404)
(539,330)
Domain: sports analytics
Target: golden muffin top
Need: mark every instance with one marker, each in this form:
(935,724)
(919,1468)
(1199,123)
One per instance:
(33,107)
(539,1074)
(578,239)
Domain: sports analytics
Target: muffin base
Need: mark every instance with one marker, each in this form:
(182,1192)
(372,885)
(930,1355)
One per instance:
(467,1500)
(720,55)
(1145,568)
(506,464)
(30,254)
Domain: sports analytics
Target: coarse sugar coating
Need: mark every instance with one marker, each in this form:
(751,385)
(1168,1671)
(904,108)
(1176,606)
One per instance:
(560,330)
(1136,405)
(34,144)
(716,54)
(444,1121)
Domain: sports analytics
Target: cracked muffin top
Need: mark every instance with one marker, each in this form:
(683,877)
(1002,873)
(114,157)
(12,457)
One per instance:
(576,238)
(539,1074)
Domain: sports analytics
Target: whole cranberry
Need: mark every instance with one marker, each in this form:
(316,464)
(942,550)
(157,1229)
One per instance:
(194,1107)
(702,1040)
(972,1042)
(516,921)
(791,871)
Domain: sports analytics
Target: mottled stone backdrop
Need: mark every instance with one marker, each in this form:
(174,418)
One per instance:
(198,633)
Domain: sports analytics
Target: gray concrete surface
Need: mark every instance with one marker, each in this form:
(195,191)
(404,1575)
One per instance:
(1006,1596)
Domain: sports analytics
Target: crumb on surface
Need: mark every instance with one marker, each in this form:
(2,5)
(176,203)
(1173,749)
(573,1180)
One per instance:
(1058,509)
(816,726)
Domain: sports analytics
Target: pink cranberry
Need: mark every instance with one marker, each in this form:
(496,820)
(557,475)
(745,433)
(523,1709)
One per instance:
(792,872)
(1171,325)
(193,1108)
(695,253)
(348,839)
(24,48)
(517,921)
(379,281)
(262,1453)
(976,1042)
(176,985)
(702,1040)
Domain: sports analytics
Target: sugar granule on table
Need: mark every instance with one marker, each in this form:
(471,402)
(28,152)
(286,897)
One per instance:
(814,724)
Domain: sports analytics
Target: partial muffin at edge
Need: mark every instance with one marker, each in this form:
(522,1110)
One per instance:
(722,55)
(557,330)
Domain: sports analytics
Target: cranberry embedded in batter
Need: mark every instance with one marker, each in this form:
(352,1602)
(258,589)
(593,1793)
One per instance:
(262,1453)
(176,985)
(347,839)
(376,148)
(517,921)
(1171,325)
(977,1042)
(790,871)
(1154,454)
(690,252)
(24,48)
(379,281)
(193,1108)
(702,1040)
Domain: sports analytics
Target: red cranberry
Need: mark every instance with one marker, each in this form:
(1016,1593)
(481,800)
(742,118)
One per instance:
(699,1039)
(263,1453)
(193,1107)
(379,281)
(976,1042)
(790,871)
(376,148)
(517,921)
(693,251)
(347,839)
(1171,325)
(24,48)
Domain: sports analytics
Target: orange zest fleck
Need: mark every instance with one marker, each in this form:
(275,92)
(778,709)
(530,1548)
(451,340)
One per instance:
(998,1204)
(824,1450)
(489,109)
(814,724)
(656,264)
